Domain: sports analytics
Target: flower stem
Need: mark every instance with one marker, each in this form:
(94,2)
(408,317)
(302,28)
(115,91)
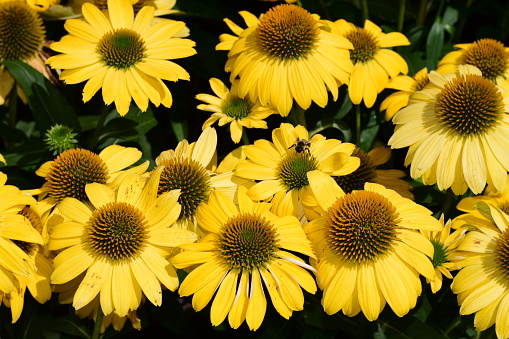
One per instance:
(358,125)
(421,15)
(99,128)
(364,8)
(401,15)
(12,112)
(296,116)
(245,138)
(98,323)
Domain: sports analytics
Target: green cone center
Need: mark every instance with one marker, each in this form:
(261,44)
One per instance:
(121,48)
(364,44)
(237,108)
(294,167)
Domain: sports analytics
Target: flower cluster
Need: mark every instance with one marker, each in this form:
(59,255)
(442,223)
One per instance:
(107,215)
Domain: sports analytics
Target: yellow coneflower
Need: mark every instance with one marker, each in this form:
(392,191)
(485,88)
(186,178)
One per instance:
(374,63)
(456,130)
(246,249)
(481,284)
(368,249)
(122,55)
(229,108)
(280,167)
(286,55)
(120,240)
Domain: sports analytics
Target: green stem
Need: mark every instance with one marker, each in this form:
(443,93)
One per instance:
(440,11)
(421,15)
(12,112)
(245,138)
(299,3)
(297,116)
(365,12)
(358,125)
(401,14)
(99,128)
(456,322)
(98,323)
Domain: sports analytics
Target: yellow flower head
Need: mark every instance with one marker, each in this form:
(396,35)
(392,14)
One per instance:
(482,284)
(229,108)
(489,55)
(456,128)
(368,249)
(38,280)
(444,255)
(281,166)
(120,241)
(374,63)
(122,54)
(15,230)
(246,249)
(22,35)
(406,86)
(285,55)
(72,170)
(188,168)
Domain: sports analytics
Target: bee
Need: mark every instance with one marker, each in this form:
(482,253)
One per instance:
(301,145)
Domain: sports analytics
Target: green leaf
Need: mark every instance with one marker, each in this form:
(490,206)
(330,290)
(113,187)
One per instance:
(180,128)
(410,327)
(32,152)
(345,107)
(48,105)
(380,333)
(450,16)
(434,45)
(130,127)
(69,324)
(324,124)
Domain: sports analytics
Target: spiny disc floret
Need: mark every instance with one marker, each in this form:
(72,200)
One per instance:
(35,221)
(72,170)
(237,108)
(440,253)
(121,48)
(502,253)
(287,32)
(366,172)
(21,31)
(293,169)
(247,241)
(191,178)
(361,226)
(490,56)
(469,105)
(117,230)
(365,46)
